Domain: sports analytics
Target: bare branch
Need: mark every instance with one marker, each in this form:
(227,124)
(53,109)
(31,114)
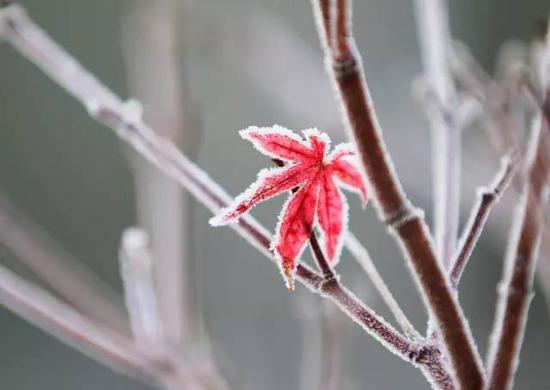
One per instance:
(361,255)
(487,198)
(394,207)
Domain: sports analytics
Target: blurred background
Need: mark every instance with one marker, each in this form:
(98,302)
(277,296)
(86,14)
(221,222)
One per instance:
(239,63)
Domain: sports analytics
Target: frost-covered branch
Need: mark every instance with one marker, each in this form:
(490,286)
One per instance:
(487,198)
(520,263)
(104,106)
(345,67)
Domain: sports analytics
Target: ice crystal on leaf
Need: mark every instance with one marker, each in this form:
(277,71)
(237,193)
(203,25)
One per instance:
(315,175)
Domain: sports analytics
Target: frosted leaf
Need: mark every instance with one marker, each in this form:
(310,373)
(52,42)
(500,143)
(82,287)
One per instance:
(311,173)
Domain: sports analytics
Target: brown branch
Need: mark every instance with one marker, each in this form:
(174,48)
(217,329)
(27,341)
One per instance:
(394,207)
(107,108)
(517,284)
(487,198)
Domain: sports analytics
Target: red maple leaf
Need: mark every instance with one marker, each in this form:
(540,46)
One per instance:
(316,177)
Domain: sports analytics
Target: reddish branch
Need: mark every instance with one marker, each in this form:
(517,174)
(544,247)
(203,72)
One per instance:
(516,293)
(394,207)
(487,198)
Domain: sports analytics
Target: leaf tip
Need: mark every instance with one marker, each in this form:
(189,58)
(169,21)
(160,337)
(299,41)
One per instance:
(288,274)
(219,220)
(247,133)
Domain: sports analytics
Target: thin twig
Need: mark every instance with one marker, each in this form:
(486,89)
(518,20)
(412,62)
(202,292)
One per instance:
(66,276)
(107,108)
(487,198)
(394,207)
(435,41)
(361,255)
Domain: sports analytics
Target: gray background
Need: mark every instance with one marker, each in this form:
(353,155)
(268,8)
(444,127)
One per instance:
(247,62)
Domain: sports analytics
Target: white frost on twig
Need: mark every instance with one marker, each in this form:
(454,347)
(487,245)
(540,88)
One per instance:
(136,266)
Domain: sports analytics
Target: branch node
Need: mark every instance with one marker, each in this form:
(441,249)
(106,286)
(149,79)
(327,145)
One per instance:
(344,66)
(403,215)
(329,283)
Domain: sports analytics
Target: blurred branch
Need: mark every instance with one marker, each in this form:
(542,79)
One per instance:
(136,266)
(150,50)
(333,336)
(107,108)
(435,41)
(30,245)
(60,320)
(543,268)
(324,338)
(410,230)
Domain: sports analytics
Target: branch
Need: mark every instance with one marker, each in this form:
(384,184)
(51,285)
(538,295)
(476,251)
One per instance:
(104,106)
(435,41)
(487,198)
(394,207)
(517,284)
(136,268)
(361,255)
(150,43)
